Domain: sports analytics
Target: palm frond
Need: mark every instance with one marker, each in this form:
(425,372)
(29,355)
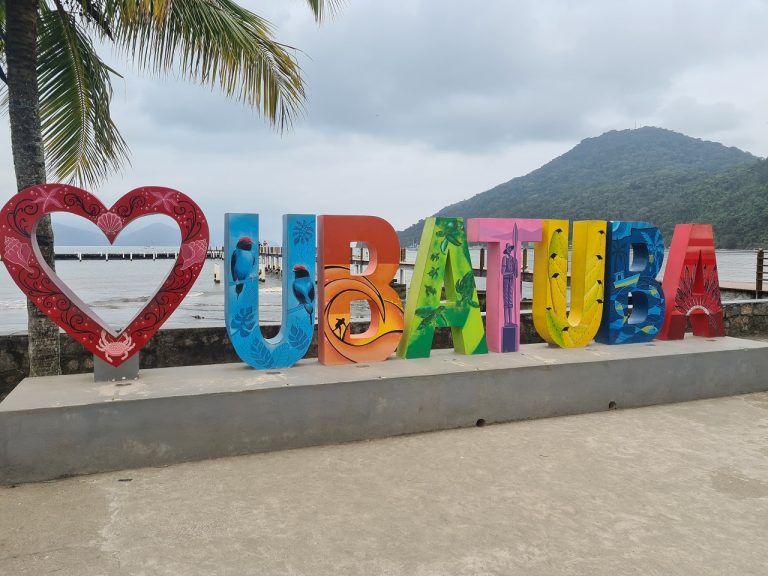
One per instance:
(93,15)
(133,10)
(82,144)
(323,8)
(2,53)
(214,42)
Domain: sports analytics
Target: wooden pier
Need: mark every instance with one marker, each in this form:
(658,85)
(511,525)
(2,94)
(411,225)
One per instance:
(271,258)
(760,274)
(149,254)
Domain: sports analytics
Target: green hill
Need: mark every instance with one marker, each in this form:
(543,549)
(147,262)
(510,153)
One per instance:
(648,174)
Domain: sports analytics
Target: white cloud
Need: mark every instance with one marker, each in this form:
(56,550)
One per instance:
(415,104)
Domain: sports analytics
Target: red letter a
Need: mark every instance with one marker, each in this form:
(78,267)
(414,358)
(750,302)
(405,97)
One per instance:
(691,287)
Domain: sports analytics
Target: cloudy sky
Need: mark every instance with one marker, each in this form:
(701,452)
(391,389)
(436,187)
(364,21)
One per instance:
(415,104)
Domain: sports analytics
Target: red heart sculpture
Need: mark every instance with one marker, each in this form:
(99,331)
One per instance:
(22,258)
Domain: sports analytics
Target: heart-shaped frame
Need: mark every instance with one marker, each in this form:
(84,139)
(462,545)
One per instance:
(21,256)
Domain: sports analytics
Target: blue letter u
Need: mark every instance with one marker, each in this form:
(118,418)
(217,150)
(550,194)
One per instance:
(241,295)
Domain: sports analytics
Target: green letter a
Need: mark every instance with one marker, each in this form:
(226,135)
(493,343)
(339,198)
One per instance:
(443,261)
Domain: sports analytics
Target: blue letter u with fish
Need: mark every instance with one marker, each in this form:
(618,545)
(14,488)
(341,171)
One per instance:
(241,300)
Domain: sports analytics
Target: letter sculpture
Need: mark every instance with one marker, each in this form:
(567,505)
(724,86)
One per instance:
(502,298)
(691,285)
(635,275)
(21,255)
(338,287)
(443,261)
(550,280)
(241,294)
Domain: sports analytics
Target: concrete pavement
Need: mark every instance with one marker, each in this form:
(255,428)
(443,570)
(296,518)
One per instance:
(665,490)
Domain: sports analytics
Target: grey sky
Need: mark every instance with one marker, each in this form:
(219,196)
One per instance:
(417,104)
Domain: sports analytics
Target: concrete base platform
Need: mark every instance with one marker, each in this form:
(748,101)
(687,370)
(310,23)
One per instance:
(69,425)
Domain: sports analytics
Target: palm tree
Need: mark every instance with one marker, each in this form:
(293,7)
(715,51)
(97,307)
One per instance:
(59,90)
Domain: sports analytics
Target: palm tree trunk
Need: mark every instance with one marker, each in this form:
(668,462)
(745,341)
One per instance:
(29,161)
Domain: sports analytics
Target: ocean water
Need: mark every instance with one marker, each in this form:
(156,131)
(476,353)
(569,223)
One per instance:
(117,289)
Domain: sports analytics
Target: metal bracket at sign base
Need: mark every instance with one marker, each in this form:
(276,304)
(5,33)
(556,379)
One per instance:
(105,372)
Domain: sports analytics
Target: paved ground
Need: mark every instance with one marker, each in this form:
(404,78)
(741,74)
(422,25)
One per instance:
(667,490)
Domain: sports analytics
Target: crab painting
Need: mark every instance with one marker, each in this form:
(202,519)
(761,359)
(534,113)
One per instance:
(117,348)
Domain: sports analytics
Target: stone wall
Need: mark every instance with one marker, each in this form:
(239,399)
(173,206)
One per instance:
(744,318)
(197,346)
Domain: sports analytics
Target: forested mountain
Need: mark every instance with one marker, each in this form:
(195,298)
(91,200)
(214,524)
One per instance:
(647,174)
(154,234)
